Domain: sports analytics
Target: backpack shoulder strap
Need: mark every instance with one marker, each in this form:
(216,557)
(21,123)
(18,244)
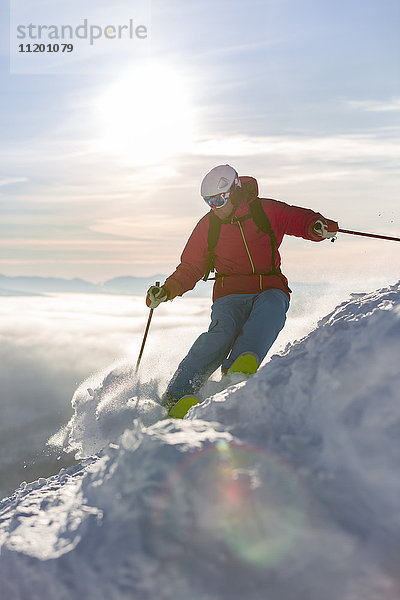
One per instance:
(213,231)
(213,235)
(264,224)
(259,216)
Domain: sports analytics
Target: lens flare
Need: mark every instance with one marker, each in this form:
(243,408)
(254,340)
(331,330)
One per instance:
(261,505)
(235,495)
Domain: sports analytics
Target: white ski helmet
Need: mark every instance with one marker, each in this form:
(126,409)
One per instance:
(219,181)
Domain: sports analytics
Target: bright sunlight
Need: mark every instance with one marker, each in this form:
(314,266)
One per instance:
(145,115)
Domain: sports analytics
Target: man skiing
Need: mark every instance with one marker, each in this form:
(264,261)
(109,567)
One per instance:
(239,238)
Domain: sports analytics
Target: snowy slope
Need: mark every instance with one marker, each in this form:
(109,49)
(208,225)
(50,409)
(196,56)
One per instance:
(285,487)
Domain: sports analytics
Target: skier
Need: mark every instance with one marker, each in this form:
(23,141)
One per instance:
(239,238)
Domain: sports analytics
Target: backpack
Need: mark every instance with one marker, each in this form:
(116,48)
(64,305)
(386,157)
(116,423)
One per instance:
(260,219)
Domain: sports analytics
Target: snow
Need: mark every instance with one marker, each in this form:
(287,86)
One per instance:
(282,487)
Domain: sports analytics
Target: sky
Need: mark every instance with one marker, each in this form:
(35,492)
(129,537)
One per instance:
(102,153)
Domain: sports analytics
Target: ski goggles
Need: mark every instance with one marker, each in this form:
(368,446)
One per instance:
(219,200)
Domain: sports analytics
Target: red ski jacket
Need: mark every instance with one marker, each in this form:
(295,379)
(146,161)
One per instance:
(243,254)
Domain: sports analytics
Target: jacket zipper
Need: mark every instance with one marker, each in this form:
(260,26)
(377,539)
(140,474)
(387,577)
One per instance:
(246,246)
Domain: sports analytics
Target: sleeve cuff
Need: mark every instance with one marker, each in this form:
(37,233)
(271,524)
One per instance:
(312,235)
(173,288)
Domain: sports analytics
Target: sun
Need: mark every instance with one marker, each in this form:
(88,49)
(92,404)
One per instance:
(145,115)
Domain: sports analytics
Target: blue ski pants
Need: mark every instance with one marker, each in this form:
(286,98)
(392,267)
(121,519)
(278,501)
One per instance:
(240,323)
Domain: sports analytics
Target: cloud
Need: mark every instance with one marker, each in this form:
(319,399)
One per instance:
(301,148)
(375,105)
(11,180)
(134,219)
(144,227)
(49,345)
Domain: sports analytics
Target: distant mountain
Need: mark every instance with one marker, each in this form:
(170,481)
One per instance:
(24,285)
(128,285)
(139,285)
(16,293)
(135,286)
(28,285)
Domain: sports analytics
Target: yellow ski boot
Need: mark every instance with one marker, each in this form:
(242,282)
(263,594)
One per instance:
(246,363)
(179,410)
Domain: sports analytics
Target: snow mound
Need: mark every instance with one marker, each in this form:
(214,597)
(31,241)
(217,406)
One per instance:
(284,487)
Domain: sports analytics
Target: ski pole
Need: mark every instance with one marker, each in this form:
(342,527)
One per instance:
(146,331)
(372,235)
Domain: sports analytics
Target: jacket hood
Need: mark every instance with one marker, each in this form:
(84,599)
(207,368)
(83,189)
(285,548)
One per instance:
(249,188)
